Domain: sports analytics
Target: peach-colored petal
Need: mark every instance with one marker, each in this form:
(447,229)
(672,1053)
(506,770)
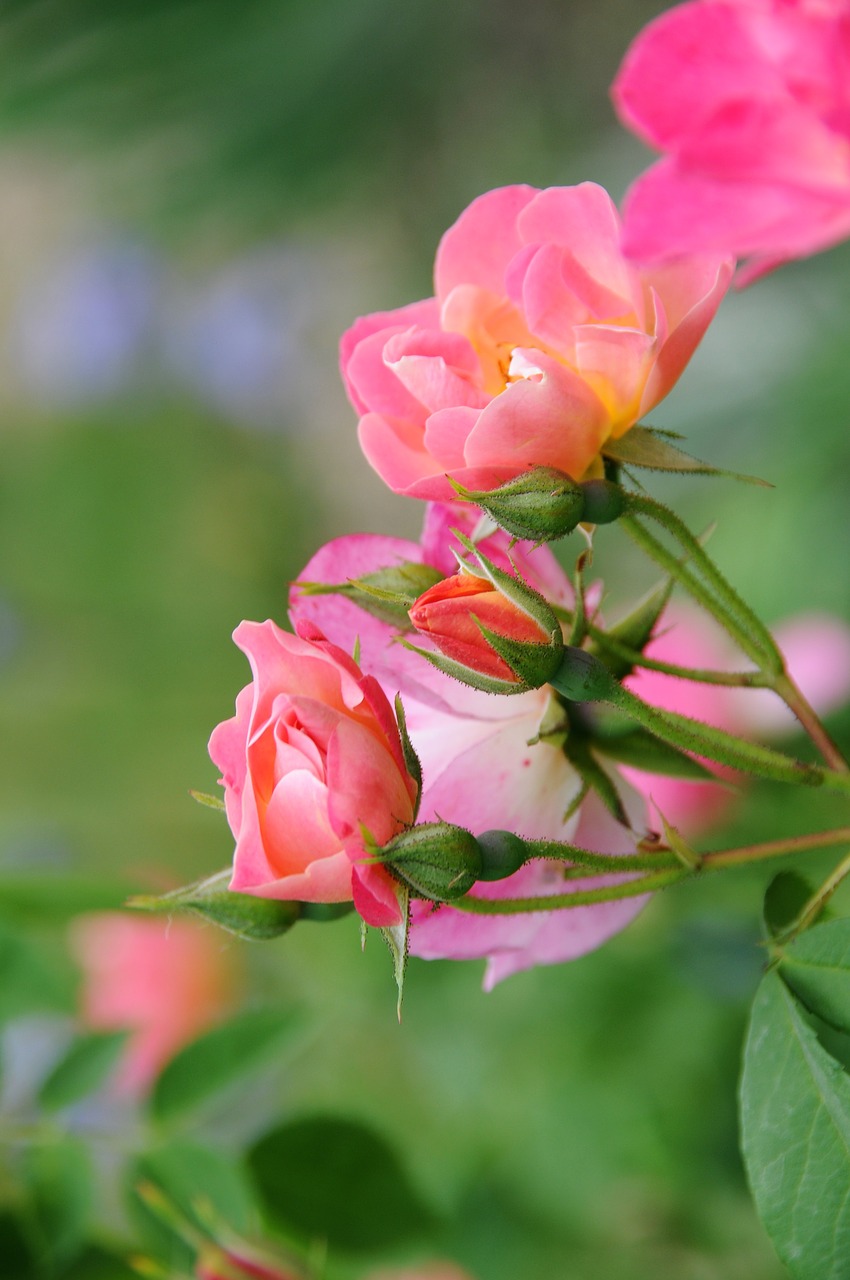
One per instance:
(706,284)
(583,219)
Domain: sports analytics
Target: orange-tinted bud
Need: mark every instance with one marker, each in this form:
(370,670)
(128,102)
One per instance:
(453,612)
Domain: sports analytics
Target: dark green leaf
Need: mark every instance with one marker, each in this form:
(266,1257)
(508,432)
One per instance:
(642,750)
(787,894)
(194,1182)
(216,1059)
(337,1180)
(594,777)
(250,918)
(96,1263)
(795,1132)
(15,1252)
(634,631)
(650,449)
(30,984)
(817,968)
(84,1067)
(59,1181)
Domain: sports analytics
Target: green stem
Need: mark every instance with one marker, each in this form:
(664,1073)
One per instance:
(665,869)
(818,901)
(733,679)
(728,608)
(794,699)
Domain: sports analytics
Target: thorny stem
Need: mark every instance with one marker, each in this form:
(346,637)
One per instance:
(670,871)
(793,698)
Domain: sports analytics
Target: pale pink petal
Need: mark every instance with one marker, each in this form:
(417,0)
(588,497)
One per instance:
(479,246)
(296,828)
(684,279)
(446,434)
(396,451)
(374,386)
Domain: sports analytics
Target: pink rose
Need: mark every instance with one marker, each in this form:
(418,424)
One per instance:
(750,102)
(483,767)
(164,981)
(311,758)
(542,343)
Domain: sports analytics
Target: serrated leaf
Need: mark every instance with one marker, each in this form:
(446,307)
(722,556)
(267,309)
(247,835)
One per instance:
(642,750)
(795,1133)
(84,1067)
(634,631)
(59,1179)
(784,899)
(816,966)
(196,1182)
(411,759)
(252,919)
(644,447)
(213,1061)
(595,778)
(335,1179)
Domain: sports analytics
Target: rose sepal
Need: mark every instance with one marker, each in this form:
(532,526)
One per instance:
(435,860)
(387,593)
(539,505)
(466,675)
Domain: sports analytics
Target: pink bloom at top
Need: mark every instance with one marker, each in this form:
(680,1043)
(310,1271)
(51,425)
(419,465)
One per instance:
(163,981)
(542,343)
(481,765)
(311,758)
(750,102)
(817,652)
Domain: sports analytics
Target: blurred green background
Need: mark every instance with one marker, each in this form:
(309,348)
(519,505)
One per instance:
(196,199)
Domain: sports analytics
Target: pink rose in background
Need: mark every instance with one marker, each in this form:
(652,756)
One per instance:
(817,652)
(163,981)
(750,102)
(542,343)
(312,753)
(481,767)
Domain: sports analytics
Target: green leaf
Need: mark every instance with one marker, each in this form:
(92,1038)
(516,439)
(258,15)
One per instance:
(594,777)
(59,1180)
(816,966)
(252,919)
(411,759)
(55,898)
(650,449)
(334,1179)
(795,1133)
(84,1067)
(15,1250)
(216,1059)
(643,750)
(30,984)
(787,894)
(634,631)
(196,1183)
(396,938)
(387,593)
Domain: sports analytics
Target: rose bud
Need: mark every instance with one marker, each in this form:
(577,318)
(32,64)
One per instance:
(435,860)
(492,630)
(541,505)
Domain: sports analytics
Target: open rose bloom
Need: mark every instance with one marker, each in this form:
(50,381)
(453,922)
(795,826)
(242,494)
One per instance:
(310,762)
(542,343)
(750,102)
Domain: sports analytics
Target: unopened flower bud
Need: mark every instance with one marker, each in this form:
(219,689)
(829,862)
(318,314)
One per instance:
(539,505)
(582,677)
(435,859)
(493,630)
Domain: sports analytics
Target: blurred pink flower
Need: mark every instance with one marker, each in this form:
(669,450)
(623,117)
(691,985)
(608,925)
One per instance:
(817,651)
(750,102)
(542,343)
(311,758)
(163,981)
(482,767)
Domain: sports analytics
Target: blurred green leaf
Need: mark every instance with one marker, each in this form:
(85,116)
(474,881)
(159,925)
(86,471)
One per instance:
(335,1179)
(30,982)
(219,1057)
(795,1134)
(634,630)
(97,1263)
(56,898)
(252,919)
(61,1189)
(84,1067)
(14,1250)
(197,1184)
(816,966)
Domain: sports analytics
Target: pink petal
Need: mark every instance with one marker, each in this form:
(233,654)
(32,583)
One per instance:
(375,896)
(615,362)
(425,313)
(817,651)
(373,386)
(584,220)
(683,65)
(446,433)
(551,419)
(439,369)
(478,247)
(296,827)
(227,748)
(365,787)
(395,449)
(684,280)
